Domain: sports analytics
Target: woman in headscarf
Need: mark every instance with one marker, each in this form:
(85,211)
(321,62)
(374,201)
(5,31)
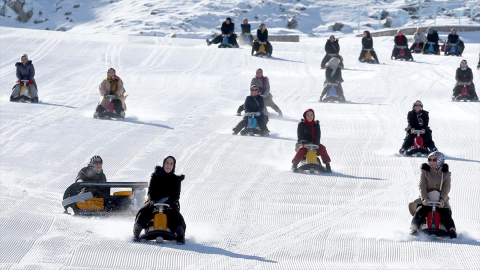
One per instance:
(432,37)
(434,186)
(164,183)
(112,85)
(464,75)
(333,74)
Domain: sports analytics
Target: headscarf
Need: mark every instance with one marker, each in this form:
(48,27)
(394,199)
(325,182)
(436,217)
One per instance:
(431,30)
(92,159)
(368,33)
(174,164)
(461,67)
(440,159)
(310,123)
(333,64)
(113,81)
(24,55)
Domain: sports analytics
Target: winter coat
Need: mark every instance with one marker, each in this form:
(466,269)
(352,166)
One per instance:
(26,72)
(452,38)
(430,180)
(104,89)
(264,89)
(433,37)
(246,28)
(400,42)
(304,132)
(88,174)
(263,37)
(413,120)
(254,104)
(228,29)
(337,77)
(367,43)
(332,47)
(163,185)
(464,75)
(419,37)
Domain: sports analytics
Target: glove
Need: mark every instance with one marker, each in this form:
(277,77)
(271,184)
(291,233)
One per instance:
(442,203)
(20,81)
(425,202)
(29,81)
(181,177)
(423,131)
(469,83)
(412,131)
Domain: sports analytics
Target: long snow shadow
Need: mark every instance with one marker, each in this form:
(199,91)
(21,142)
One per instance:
(134,120)
(350,176)
(461,159)
(57,105)
(276,137)
(196,247)
(285,60)
(276,117)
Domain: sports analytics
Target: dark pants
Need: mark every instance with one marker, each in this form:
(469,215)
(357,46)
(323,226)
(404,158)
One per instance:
(422,212)
(427,139)
(268,47)
(362,55)
(232,39)
(174,218)
(415,44)
(471,90)
(436,48)
(327,58)
(117,106)
(339,91)
(458,50)
(321,151)
(261,121)
(408,53)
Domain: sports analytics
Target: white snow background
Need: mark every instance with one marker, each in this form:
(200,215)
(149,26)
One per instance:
(243,207)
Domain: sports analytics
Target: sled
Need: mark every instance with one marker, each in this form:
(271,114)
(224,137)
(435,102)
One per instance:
(252,127)
(24,95)
(430,48)
(453,50)
(311,162)
(368,57)
(417,48)
(120,202)
(417,149)
(464,95)
(157,228)
(109,112)
(332,95)
(433,224)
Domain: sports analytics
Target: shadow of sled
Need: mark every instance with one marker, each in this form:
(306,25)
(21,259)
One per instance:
(333,173)
(134,120)
(53,104)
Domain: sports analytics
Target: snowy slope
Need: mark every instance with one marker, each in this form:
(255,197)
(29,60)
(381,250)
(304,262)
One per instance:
(202,18)
(243,207)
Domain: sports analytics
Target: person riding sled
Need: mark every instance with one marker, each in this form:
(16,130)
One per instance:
(333,75)
(432,38)
(228,31)
(163,183)
(253,104)
(246,32)
(367,44)
(464,76)
(308,132)
(418,120)
(112,85)
(419,39)
(435,183)
(332,49)
(262,40)
(25,72)
(400,40)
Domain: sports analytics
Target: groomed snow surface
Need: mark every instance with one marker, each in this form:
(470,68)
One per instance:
(243,207)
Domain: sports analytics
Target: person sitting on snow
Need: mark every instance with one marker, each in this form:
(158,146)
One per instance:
(262,39)
(401,40)
(246,32)
(253,103)
(112,85)
(25,71)
(333,74)
(308,130)
(367,43)
(453,38)
(464,74)
(331,47)
(228,30)
(418,120)
(435,183)
(418,38)
(432,36)
(164,183)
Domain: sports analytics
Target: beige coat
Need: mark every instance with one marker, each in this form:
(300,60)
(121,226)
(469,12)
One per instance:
(104,89)
(429,181)
(264,90)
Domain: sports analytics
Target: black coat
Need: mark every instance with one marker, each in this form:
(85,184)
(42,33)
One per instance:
(88,174)
(332,47)
(228,29)
(433,37)
(404,41)
(254,104)
(453,38)
(163,185)
(26,72)
(246,28)
(367,43)
(464,75)
(304,132)
(413,120)
(263,37)
(337,77)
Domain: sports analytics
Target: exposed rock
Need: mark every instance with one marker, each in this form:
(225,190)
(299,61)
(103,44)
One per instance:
(154,12)
(292,23)
(303,8)
(38,21)
(76,6)
(63,29)
(68,13)
(172,35)
(337,26)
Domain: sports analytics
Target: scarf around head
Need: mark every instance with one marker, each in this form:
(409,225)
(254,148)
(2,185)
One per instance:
(333,64)
(440,159)
(310,123)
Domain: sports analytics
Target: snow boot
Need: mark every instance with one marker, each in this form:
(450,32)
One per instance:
(327,166)
(294,167)
(413,232)
(209,42)
(452,233)
(402,151)
(137,229)
(180,235)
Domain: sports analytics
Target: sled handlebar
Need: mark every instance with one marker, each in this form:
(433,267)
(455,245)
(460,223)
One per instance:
(161,204)
(25,82)
(332,54)
(332,84)
(417,131)
(252,114)
(368,50)
(401,47)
